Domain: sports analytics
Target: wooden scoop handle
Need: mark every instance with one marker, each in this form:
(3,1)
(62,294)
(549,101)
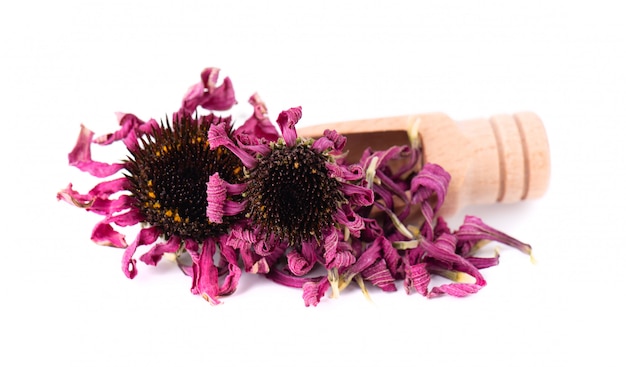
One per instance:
(501,159)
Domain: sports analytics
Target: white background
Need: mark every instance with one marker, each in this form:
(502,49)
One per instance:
(65,300)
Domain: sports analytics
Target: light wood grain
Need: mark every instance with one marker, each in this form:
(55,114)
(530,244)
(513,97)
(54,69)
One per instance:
(501,159)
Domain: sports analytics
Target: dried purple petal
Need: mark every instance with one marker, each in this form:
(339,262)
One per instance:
(287,121)
(474,229)
(313,291)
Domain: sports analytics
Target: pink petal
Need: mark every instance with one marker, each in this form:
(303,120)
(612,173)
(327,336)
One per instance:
(205,274)
(80,157)
(218,136)
(217,204)
(104,234)
(287,122)
(379,275)
(146,236)
(313,291)
(474,229)
(301,262)
(155,254)
(416,278)
(207,94)
(231,280)
(258,125)
(432,179)
(455,290)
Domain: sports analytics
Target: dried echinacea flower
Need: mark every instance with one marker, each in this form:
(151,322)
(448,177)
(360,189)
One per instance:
(183,193)
(302,201)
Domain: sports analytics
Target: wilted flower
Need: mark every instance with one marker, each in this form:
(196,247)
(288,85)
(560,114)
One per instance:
(184,193)
(302,201)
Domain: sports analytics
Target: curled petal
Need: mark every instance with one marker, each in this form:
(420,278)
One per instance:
(474,229)
(218,136)
(313,291)
(455,290)
(217,203)
(432,179)
(350,219)
(104,234)
(229,285)
(287,122)
(155,254)
(351,173)
(208,95)
(357,195)
(391,256)
(131,128)
(367,258)
(258,125)
(107,207)
(290,280)
(337,254)
(205,274)
(125,219)
(80,157)
(484,262)
(416,278)
(146,236)
(301,262)
(331,142)
(241,238)
(379,275)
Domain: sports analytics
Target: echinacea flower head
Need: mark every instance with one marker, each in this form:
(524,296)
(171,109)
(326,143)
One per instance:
(168,174)
(296,190)
(174,185)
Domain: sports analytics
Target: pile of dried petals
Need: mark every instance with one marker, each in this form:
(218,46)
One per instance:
(222,200)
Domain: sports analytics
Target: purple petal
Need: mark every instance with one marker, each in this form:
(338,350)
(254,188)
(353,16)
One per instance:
(104,234)
(205,274)
(313,291)
(432,179)
(473,230)
(146,236)
(289,280)
(416,278)
(80,157)
(347,217)
(207,94)
(379,275)
(155,254)
(131,128)
(217,203)
(331,141)
(259,125)
(357,195)
(301,262)
(229,285)
(348,173)
(287,122)
(367,258)
(218,136)
(455,290)
(128,218)
(484,262)
(336,254)
(391,257)
(216,198)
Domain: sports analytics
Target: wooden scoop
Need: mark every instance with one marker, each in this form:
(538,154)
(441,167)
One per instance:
(502,159)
